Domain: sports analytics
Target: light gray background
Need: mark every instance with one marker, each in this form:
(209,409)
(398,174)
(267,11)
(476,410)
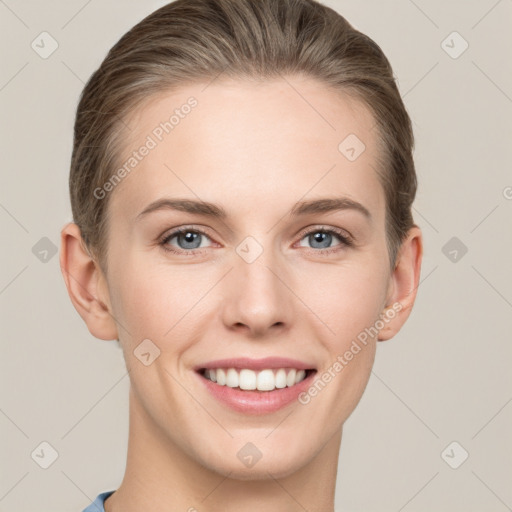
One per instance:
(446,377)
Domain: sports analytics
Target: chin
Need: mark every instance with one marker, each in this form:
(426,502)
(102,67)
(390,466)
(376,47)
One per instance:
(271,462)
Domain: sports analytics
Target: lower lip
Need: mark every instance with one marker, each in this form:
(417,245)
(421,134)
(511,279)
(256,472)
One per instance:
(257,402)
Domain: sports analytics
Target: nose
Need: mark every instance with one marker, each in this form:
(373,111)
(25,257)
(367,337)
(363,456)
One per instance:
(257,299)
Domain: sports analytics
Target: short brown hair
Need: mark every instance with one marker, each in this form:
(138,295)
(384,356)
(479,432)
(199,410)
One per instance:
(196,40)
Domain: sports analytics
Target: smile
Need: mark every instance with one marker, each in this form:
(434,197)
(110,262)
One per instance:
(264,380)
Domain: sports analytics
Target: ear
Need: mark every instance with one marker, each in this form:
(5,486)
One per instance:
(86,284)
(404,282)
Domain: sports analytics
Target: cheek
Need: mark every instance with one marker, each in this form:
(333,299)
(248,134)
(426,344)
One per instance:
(349,302)
(158,303)
(346,299)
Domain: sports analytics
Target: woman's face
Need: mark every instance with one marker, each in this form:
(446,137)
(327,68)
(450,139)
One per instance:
(261,281)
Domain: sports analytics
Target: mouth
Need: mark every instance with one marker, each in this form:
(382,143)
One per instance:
(265,380)
(261,392)
(253,386)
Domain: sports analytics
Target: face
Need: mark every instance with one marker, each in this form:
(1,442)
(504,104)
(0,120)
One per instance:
(280,266)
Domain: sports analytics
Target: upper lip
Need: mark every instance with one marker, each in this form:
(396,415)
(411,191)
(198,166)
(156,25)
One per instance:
(256,364)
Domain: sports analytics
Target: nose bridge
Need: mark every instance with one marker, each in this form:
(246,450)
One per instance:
(257,296)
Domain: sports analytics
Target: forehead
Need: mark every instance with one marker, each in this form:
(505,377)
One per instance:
(249,143)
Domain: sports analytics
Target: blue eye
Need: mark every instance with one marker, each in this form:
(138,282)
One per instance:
(323,238)
(188,241)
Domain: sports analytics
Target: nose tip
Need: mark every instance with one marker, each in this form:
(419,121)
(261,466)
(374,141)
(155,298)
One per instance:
(256,299)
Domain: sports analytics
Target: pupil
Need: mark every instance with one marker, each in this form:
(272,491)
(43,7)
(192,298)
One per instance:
(190,240)
(319,238)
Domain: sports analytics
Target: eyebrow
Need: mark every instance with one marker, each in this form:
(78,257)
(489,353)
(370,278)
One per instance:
(325,205)
(329,205)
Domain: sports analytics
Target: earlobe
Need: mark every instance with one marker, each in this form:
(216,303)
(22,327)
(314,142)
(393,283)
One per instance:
(404,284)
(86,284)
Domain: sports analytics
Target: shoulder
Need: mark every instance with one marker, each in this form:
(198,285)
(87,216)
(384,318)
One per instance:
(97,504)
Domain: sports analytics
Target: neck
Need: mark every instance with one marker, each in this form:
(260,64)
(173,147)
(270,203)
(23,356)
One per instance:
(160,477)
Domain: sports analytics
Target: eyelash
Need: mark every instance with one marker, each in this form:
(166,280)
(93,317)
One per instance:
(345,240)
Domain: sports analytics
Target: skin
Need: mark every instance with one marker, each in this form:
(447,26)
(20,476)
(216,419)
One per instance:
(256,150)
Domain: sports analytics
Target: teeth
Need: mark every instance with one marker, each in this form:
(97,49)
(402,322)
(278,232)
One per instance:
(290,378)
(221,376)
(264,380)
(232,378)
(281,378)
